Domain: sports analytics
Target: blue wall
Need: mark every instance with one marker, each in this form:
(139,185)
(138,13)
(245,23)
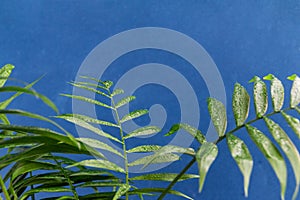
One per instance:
(243,38)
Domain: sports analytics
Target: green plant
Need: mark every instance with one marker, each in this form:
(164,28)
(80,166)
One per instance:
(36,157)
(127,187)
(32,149)
(208,151)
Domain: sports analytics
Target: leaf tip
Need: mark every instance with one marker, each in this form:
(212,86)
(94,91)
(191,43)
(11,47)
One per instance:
(173,130)
(9,66)
(292,77)
(269,77)
(254,79)
(108,84)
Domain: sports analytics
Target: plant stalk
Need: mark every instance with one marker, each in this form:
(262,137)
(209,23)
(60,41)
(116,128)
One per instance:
(31,187)
(67,177)
(123,144)
(177,178)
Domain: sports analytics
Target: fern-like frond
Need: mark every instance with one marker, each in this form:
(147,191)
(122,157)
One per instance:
(160,155)
(238,149)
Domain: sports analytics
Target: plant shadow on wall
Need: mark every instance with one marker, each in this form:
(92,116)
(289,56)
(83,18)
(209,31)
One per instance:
(40,160)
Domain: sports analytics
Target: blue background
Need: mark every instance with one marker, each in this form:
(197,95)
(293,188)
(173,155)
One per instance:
(244,39)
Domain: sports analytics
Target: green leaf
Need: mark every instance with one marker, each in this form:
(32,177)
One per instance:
(277,92)
(25,141)
(288,148)
(90,89)
(173,129)
(4,119)
(148,130)
(144,148)
(205,157)
(107,84)
(175,149)
(91,78)
(117,91)
(121,191)
(260,96)
(158,190)
(295,91)
(191,130)
(242,157)
(71,139)
(43,149)
(99,195)
(88,172)
(39,131)
(58,178)
(92,85)
(5,103)
(60,159)
(124,101)
(65,198)
(86,119)
(165,158)
(169,177)
(27,91)
(5,72)
(31,115)
(217,113)
(100,145)
(28,166)
(80,120)
(12,191)
(4,189)
(40,190)
(101,184)
(293,122)
(97,163)
(167,150)
(92,101)
(240,104)
(272,154)
(133,115)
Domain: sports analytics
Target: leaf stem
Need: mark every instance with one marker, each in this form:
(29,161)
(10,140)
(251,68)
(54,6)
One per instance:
(177,178)
(182,172)
(123,142)
(67,177)
(31,187)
